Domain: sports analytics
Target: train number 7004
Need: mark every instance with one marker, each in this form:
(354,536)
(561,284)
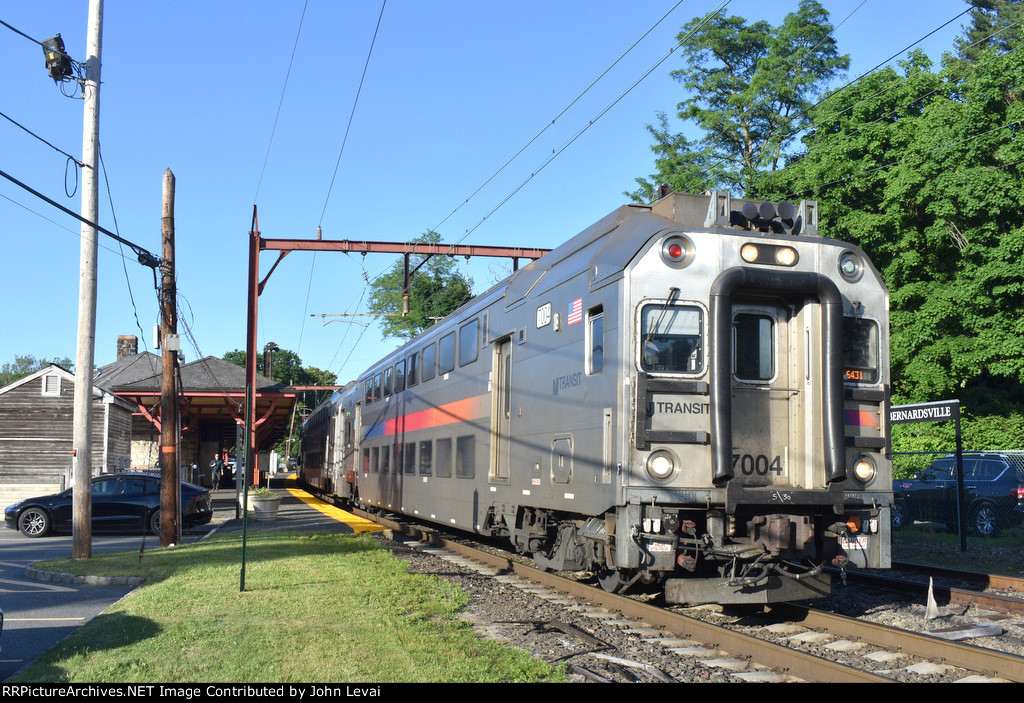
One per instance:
(761,465)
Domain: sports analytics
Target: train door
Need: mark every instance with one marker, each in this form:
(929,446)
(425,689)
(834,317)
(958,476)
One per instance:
(764,392)
(360,454)
(501,410)
(338,448)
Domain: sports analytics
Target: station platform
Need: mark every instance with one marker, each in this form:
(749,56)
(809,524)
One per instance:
(300,510)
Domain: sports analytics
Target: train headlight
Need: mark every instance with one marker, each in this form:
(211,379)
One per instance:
(661,464)
(677,251)
(864,469)
(772,254)
(850,265)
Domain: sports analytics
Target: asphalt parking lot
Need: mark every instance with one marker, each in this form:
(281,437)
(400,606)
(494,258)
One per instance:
(38,615)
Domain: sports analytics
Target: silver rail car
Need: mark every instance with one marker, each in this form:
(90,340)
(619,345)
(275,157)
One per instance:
(692,393)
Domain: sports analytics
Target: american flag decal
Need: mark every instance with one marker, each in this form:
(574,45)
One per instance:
(576,311)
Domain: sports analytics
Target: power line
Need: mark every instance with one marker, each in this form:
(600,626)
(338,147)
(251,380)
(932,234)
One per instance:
(565,145)
(145,258)
(352,114)
(18,31)
(341,151)
(559,115)
(557,152)
(280,102)
(26,129)
(724,160)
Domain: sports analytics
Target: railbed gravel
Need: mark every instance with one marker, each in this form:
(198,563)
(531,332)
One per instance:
(594,651)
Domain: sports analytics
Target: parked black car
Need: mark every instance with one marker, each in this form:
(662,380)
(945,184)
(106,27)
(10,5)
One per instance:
(993,489)
(119,502)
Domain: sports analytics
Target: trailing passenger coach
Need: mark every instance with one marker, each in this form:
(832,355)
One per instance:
(691,393)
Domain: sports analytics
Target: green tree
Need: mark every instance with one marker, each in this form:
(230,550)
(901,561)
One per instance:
(924,171)
(287,368)
(437,290)
(749,91)
(26,364)
(995,24)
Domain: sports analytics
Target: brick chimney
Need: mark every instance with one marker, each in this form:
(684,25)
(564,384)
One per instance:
(127,345)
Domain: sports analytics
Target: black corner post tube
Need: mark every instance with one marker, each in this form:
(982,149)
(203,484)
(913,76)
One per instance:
(720,342)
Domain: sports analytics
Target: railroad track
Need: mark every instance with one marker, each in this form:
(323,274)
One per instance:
(976,594)
(800,643)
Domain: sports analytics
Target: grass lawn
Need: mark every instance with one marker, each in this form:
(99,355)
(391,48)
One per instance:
(316,607)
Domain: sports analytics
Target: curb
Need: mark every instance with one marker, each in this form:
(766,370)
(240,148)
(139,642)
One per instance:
(57,577)
(34,574)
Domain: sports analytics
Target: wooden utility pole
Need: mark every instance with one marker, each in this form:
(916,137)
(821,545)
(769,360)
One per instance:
(81,440)
(170,511)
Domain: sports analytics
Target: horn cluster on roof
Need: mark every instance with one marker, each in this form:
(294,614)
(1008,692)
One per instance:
(779,218)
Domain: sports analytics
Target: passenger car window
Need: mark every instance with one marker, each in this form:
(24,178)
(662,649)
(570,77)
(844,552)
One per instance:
(465,457)
(446,354)
(425,457)
(443,459)
(469,335)
(400,376)
(412,377)
(595,340)
(428,362)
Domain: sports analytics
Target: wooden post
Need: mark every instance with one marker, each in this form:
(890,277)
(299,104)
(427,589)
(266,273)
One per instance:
(170,512)
(81,440)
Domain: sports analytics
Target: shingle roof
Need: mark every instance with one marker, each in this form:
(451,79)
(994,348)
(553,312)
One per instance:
(129,369)
(207,374)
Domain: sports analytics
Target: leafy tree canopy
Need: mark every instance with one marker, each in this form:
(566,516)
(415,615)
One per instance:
(925,171)
(437,290)
(749,91)
(24,365)
(286,367)
(995,24)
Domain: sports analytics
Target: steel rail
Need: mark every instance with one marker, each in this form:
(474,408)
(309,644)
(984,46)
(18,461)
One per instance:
(1007,583)
(795,663)
(966,656)
(992,601)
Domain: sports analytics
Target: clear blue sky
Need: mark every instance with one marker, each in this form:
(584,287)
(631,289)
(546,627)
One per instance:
(453,89)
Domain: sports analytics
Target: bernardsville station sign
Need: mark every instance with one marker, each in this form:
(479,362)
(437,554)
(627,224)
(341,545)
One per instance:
(926,412)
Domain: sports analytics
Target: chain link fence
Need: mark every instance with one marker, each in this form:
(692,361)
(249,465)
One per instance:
(961,517)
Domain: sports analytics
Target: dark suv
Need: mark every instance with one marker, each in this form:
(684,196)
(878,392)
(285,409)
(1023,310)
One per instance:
(993,489)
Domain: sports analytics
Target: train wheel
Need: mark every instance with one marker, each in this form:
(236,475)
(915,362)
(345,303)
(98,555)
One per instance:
(611,580)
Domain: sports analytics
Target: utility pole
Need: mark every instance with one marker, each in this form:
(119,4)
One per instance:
(81,440)
(170,511)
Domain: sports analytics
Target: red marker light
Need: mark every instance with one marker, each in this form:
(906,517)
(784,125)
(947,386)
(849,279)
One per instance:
(676,251)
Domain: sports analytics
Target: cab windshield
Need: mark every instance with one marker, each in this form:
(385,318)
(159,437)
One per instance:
(671,339)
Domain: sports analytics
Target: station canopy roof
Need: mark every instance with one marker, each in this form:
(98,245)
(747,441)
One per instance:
(212,390)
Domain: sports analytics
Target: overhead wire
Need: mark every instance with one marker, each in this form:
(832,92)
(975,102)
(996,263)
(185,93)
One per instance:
(564,110)
(124,264)
(280,102)
(143,256)
(565,145)
(337,165)
(576,135)
(831,94)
